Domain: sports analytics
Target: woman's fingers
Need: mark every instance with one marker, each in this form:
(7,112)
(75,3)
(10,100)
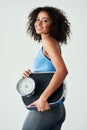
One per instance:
(27,73)
(41,106)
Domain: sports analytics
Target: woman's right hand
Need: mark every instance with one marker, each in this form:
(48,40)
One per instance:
(26,73)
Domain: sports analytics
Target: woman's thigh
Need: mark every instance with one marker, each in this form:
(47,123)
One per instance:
(48,120)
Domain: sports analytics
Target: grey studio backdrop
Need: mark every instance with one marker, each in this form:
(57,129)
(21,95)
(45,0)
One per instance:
(17,51)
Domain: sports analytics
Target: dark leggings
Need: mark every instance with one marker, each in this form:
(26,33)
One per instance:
(49,120)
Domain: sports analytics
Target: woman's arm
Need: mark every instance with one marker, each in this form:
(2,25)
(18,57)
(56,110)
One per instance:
(51,46)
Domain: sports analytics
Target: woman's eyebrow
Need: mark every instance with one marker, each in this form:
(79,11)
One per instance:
(44,18)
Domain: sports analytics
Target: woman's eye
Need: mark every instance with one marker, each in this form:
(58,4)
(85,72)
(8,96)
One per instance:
(45,20)
(42,20)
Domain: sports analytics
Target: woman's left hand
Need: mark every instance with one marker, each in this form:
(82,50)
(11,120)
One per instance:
(41,104)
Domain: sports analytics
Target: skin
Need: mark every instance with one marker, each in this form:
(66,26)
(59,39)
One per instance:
(51,49)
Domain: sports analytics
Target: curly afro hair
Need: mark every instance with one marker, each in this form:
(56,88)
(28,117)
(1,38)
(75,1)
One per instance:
(60,25)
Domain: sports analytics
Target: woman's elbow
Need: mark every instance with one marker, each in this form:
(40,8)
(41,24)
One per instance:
(65,71)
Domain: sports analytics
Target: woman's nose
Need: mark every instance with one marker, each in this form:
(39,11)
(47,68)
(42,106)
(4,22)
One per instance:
(39,22)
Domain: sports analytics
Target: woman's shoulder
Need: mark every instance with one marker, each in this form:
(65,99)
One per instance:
(51,44)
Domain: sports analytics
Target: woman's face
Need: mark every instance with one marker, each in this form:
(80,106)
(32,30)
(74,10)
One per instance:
(43,23)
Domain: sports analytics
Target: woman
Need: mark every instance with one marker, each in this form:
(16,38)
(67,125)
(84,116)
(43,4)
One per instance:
(50,26)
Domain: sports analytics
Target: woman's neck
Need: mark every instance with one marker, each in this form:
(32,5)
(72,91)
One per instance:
(44,36)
